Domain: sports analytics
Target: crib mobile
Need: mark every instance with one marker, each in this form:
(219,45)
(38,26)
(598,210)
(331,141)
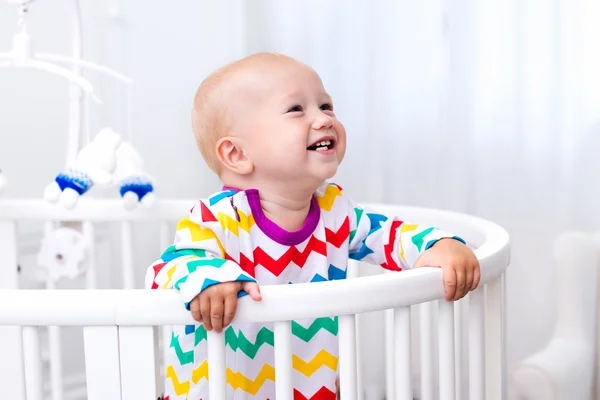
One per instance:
(105,160)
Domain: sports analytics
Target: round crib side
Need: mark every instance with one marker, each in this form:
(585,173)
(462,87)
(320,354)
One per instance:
(130,308)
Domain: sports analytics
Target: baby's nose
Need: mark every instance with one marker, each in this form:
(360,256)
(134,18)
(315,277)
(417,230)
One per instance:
(322,121)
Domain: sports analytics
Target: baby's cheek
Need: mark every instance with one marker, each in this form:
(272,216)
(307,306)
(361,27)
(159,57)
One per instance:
(340,155)
(341,145)
(341,151)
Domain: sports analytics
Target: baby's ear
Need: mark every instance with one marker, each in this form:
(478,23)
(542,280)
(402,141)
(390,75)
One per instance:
(233,157)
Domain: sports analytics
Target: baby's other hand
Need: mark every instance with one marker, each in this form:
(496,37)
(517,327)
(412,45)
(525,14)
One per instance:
(459,265)
(215,307)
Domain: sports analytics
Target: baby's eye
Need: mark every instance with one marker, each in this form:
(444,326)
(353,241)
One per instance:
(295,109)
(327,107)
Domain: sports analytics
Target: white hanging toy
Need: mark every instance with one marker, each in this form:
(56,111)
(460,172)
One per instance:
(93,166)
(135,186)
(3,182)
(62,253)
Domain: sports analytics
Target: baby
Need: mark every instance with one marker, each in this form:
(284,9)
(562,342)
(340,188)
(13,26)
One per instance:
(267,127)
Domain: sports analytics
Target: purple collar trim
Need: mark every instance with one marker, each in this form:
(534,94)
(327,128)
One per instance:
(274,231)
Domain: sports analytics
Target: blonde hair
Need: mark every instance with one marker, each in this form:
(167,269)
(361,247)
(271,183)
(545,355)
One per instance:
(211,118)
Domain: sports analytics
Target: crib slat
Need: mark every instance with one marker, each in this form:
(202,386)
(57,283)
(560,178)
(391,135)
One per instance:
(34,382)
(54,343)
(495,345)
(217,383)
(11,345)
(90,273)
(103,380)
(390,384)
(347,362)
(139,367)
(127,254)
(165,239)
(426,337)
(353,271)
(458,348)
(166,332)
(402,354)
(56,375)
(360,395)
(446,350)
(476,345)
(11,366)
(284,387)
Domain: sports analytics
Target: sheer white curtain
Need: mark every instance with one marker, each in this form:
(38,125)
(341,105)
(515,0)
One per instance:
(490,107)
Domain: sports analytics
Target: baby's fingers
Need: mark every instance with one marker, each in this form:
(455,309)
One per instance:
(461,279)
(469,280)
(229,309)
(449,283)
(216,314)
(205,311)
(195,309)
(476,277)
(253,290)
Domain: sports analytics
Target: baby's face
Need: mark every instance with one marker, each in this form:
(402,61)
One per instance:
(290,127)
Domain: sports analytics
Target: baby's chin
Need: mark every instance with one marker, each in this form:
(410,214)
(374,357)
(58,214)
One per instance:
(328,171)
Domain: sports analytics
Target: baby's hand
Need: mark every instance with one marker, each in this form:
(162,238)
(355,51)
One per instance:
(459,265)
(215,306)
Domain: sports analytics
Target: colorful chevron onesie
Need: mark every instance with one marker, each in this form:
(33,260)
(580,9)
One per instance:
(229,238)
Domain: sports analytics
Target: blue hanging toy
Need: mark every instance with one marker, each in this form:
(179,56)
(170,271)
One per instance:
(135,186)
(94,165)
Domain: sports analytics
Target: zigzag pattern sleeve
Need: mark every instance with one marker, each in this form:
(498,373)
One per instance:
(197,259)
(388,241)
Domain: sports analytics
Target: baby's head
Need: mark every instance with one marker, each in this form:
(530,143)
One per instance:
(268,118)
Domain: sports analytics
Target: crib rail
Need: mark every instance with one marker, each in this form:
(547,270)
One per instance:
(120,332)
(138,307)
(121,326)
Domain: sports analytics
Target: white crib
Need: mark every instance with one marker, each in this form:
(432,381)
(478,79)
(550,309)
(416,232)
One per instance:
(121,335)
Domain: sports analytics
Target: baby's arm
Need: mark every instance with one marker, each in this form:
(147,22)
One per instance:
(396,245)
(198,267)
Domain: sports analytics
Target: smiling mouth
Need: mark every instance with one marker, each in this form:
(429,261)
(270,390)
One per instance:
(322,145)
